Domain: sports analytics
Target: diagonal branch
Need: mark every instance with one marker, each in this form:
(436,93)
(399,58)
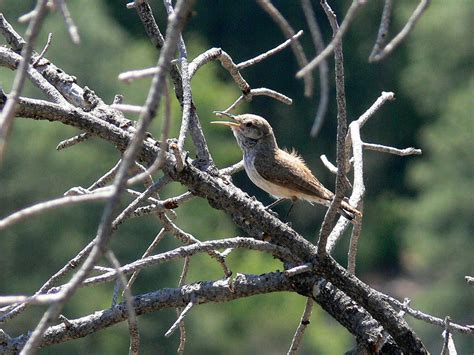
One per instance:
(289,32)
(8,113)
(409,26)
(105,228)
(336,40)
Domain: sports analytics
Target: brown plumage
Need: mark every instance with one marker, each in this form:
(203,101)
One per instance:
(281,173)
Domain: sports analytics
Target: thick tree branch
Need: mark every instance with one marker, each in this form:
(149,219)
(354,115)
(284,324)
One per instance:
(202,292)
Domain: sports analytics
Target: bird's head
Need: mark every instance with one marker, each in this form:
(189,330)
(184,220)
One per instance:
(248,129)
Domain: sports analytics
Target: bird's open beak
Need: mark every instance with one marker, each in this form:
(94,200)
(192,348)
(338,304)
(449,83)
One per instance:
(227,123)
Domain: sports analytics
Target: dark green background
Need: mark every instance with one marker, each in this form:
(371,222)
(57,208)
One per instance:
(417,232)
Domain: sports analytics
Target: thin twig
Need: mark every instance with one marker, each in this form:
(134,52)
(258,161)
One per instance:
(131,75)
(70,25)
(259,92)
(159,237)
(190,120)
(305,320)
(45,49)
(102,268)
(428,318)
(106,178)
(289,32)
(298,270)
(73,141)
(8,112)
(395,42)
(179,311)
(184,272)
(160,159)
(186,105)
(234,70)
(11,59)
(127,108)
(269,53)
(331,167)
(36,299)
(187,97)
(48,205)
(180,319)
(356,4)
(225,60)
(235,168)
(384,27)
(160,205)
(323,68)
(132,317)
(391,150)
(383,98)
(188,238)
(129,210)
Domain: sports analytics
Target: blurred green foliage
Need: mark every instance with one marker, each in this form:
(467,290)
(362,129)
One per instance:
(416,238)
(437,238)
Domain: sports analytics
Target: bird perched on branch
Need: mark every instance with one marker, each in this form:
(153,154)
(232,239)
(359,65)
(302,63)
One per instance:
(276,171)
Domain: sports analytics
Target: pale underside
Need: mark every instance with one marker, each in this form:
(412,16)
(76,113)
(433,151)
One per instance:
(283,179)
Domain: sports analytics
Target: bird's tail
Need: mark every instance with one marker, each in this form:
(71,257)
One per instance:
(348,211)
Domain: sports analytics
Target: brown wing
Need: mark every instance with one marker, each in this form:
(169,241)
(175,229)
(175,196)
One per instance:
(289,170)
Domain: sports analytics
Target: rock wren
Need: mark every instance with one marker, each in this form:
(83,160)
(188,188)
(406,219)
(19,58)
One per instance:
(276,171)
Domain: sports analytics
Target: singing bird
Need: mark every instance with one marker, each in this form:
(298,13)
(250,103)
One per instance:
(280,173)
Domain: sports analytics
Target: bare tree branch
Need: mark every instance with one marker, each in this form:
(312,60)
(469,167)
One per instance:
(289,32)
(8,112)
(269,53)
(105,228)
(326,226)
(70,25)
(205,292)
(323,68)
(48,205)
(45,49)
(395,42)
(131,316)
(304,322)
(376,320)
(359,188)
(355,5)
(382,34)
(391,150)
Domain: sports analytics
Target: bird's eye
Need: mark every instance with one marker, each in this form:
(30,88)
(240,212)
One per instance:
(248,124)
